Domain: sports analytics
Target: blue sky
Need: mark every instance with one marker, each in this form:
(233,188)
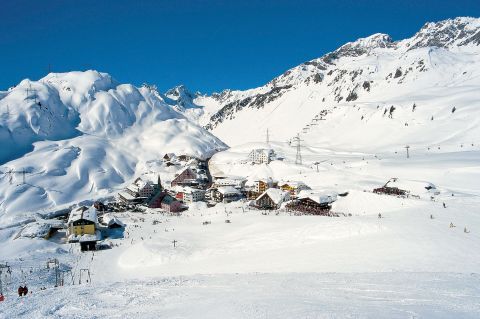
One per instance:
(206,45)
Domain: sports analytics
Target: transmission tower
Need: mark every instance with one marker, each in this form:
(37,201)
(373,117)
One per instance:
(11,172)
(268,137)
(298,158)
(31,91)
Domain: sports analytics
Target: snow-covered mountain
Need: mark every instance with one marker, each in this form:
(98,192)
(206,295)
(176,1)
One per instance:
(430,82)
(80,135)
(83,133)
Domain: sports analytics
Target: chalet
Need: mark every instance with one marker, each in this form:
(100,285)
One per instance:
(261,155)
(272,198)
(139,191)
(165,201)
(226,194)
(186,177)
(112,222)
(293,187)
(82,227)
(141,188)
(314,203)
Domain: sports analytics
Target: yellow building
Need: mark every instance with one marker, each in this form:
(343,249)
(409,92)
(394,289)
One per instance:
(82,227)
(293,187)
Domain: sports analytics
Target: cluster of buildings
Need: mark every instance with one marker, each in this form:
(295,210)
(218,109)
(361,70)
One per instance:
(191,183)
(187,185)
(292,195)
(150,194)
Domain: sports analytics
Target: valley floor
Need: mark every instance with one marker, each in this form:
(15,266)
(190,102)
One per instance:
(408,264)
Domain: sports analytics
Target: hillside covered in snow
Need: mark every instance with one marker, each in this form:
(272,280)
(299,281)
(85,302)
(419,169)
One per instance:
(80,135)
(368,94)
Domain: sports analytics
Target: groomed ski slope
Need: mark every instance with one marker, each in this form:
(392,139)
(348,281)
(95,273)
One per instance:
(326,295)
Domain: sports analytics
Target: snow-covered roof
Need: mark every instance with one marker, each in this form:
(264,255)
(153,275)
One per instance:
(265,151)
(294,184)
(110,219)
(183,169)
(190,190)
(138,184)
(40,229)
(228,181)
(230,177)
(318,197)
(228,190)
(126,196)
(276,195)
(83,212)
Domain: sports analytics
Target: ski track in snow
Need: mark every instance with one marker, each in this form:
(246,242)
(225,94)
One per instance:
(361,295)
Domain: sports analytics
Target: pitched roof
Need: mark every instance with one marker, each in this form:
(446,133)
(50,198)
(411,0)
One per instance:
(278,196)
(126,196)
(167,199)
(228,190)
(138,184)
(319,197)
(110,220)
(83,212)
(180,171)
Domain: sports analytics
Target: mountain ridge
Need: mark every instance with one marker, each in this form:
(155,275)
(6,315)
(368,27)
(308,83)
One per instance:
(355,72)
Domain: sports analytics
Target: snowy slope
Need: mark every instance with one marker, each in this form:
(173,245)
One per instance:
(83,137)
(340,98)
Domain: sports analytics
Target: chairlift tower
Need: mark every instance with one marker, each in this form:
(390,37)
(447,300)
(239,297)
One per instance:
(86,273)
(1,284)
(12,172)
(56,265)
(408,153)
